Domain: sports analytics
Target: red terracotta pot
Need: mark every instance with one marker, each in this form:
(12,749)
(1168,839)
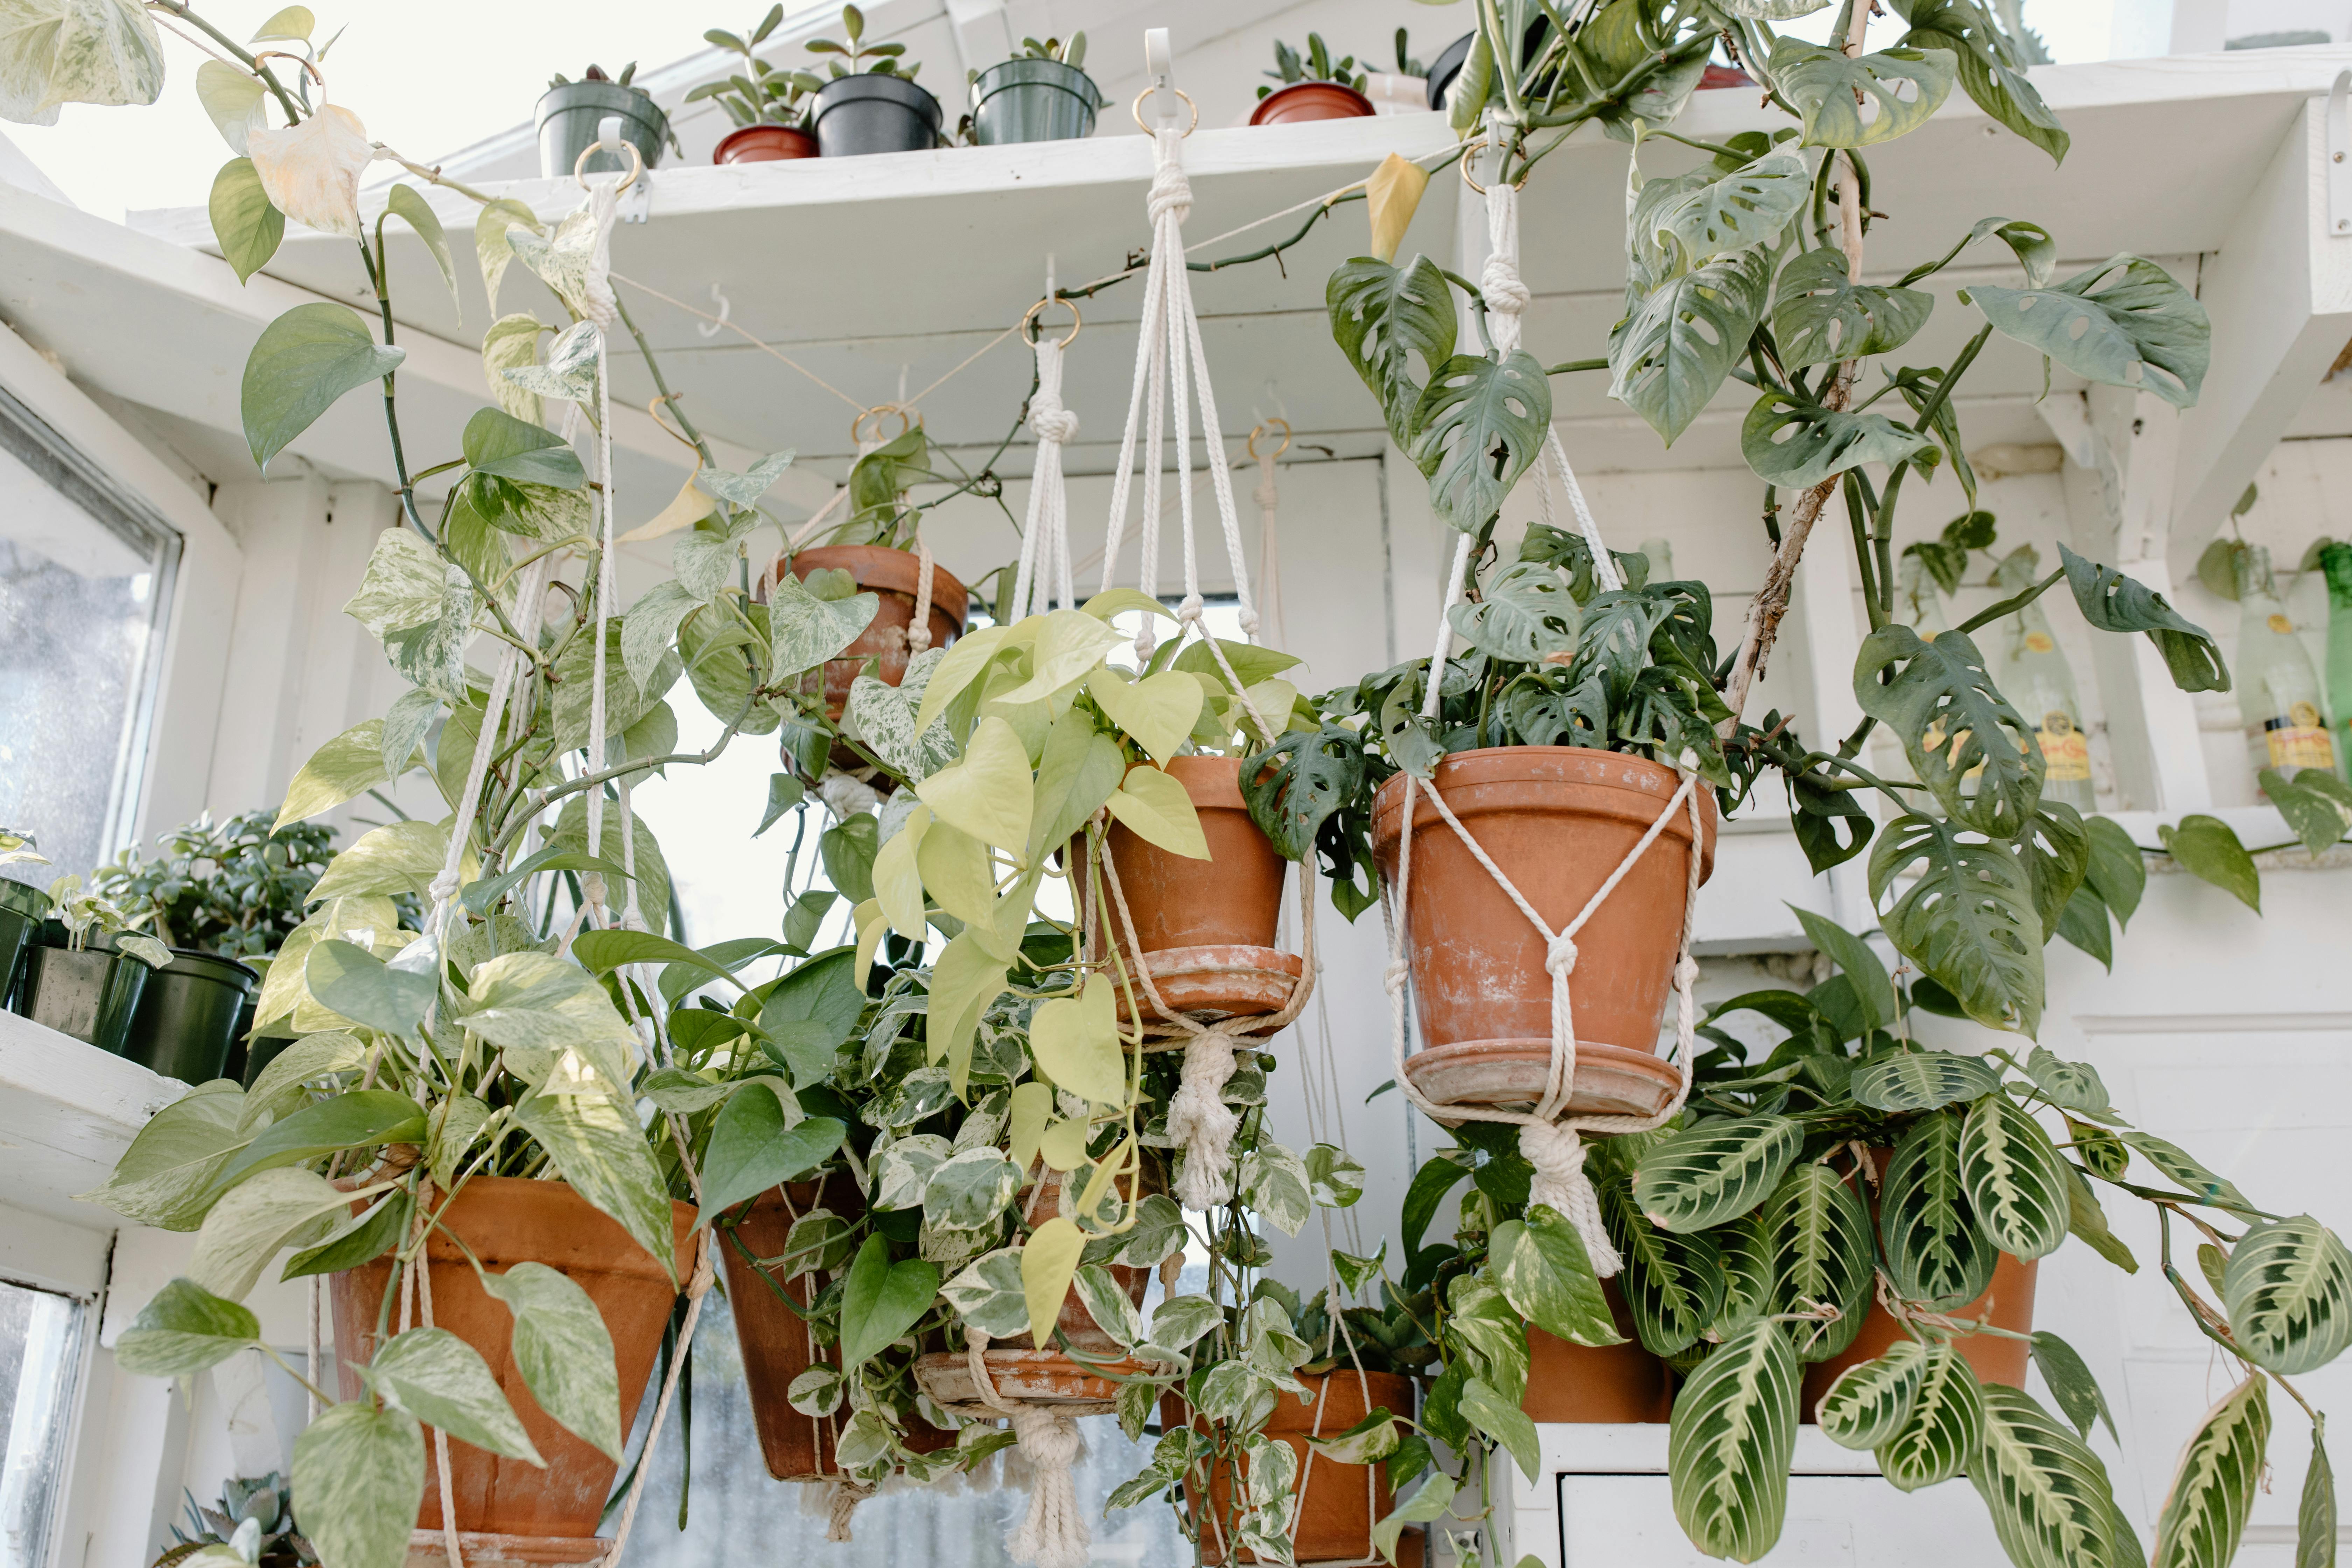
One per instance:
(1303,100)
(1207,927)
(1993,1358)
(1610,1383)
(775,1341)
(1340,1502)
(1559,820)
(893,576)
(507,1220)
(763,145)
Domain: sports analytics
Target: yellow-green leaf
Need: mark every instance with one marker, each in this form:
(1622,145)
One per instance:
(1077,1044)
(897,884)
(955,870)
(971,654)
(1068,643)
(1031,1108)
(344,769)
(1155,808)
(988,795)
(1047,1264)
(1159,711)
(1063,1144)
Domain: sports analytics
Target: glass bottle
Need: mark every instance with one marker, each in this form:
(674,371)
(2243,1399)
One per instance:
(2336,561)
(1661,559)
(2278,691)
(2034,676)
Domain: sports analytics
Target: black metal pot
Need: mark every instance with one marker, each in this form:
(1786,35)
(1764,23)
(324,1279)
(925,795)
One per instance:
(875,113)
(570,119)
(188,1014)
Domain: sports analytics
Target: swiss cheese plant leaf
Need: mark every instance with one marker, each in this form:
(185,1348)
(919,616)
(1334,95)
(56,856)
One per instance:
(1990,70)
(1936,1253)
(1822,1257)
(1384,319)
(1967,920)
(2142,329)
(1674,1283)
(2117,871)
(1922,1080)
(2288,1291)
(1939,1438)
(1293,787)
(2213,1486)
(2057,853)
(1866,99)
(2115,603)
(1742,211)
(1523,613)
(1797,445)
(1683,339)
(304,361)
(1821,316)
(1734,1433)
(2050,1503)
(1870,1400)
(1706,1174)
(1939,697)
(2014,1176)
(1477,427)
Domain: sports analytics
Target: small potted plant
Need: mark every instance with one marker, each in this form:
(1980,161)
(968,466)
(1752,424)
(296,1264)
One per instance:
(768,105)
(571,117)
(1311,87)
(871,107)
(1039,95)
(84,975)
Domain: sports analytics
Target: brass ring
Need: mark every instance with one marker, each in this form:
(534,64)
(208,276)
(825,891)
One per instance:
(316,74)
(1263,425)
(880,412)
(1469,150)
(1138,110)
(1028,321)
(636,163)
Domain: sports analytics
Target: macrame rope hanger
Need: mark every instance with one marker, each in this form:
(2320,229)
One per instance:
(1551,1139)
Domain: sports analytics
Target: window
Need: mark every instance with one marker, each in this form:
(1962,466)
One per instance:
(86,570)
(41,1365)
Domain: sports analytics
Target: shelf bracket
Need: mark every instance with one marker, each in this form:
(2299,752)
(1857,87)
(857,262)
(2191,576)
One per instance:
(2339,156)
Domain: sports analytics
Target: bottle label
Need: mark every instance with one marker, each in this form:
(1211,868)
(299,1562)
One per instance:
(2299,739)
(2065,750)
(2039,642)
(2280,625)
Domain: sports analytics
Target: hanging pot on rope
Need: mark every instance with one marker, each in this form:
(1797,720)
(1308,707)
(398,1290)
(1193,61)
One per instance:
(1597,1383)
(1338,1504)
(1559,820)
(503,1221)
(1206,928)
(775,1339)
(894,576)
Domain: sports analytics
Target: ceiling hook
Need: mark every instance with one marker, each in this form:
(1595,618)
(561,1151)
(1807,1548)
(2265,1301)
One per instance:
(726,307)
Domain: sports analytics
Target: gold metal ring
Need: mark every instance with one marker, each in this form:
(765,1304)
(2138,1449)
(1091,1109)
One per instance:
(636,163)
(1264,426)
(878,413)
(316,74)
(1138,110)
(1469,152)
(1029,321)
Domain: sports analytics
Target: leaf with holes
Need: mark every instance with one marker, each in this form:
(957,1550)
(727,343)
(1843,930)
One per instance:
(1863,100)
(1967,920)
(1922,1080)
(1524,614)
(1734,1432)
(2213,1486)
(1674,1284)
(1476,430)
(1952,720)
(2056,851)
(1821,316)
(1744,210)
(1706,1174)
(1797,446)
(1870,1400)
(2288,1291)
(1385,317)
(1293,787)
(2014,1176)
(1990,70)
(2115,603)
(2048,1494)
(1823,1255)
(1939,1435)
(1935,1251)
(2144,332)
(1683,339)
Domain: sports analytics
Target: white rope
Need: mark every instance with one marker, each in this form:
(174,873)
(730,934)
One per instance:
(1199,1119)
(1053,1533)
(1045,569)
(603,198)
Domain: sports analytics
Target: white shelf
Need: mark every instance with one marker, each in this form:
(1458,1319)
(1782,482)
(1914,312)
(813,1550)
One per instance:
(68,1111)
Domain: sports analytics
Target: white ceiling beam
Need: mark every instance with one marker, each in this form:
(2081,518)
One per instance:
(2280,295)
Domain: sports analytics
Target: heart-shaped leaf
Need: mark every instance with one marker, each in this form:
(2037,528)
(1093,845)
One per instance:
(304,361)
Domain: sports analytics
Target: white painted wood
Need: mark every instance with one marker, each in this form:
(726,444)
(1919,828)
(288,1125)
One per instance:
(67,1112)
(67,1256)
(1830,623)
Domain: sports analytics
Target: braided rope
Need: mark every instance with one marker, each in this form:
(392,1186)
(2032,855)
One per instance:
(1045,570)
(1053,1533)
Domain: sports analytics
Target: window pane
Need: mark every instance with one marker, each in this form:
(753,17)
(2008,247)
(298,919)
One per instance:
(40,1361)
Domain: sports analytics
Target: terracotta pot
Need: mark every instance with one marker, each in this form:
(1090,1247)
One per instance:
(774,1341)
(1340,1502)
(1207,927)
(763,145)
(1994,1359)
(1597,1383)
(1076,1323)
(1559,820)
(507,1220)
(1033,1377)
(1303,100)
(892,576)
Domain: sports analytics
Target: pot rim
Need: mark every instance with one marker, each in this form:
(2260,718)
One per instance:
(24,899)
(1300,87)
(638,106)
(1388,807)
(632,1260)
(892,571)
(1036,73)
(741,131)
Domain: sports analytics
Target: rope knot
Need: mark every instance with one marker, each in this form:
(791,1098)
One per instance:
(1499,282)
(1050,420)
(1172,192)
(1686,973)
(444,888)
(1188,610)
(1562,1183)
(1266,496)
(1559,956)
(1199,1119)
(1395,975)
(1248,619)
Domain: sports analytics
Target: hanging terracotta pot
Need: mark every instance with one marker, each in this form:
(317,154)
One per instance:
(1338,1504)
(1557,820)
(763,145)
(1206,927)
(893,576)
(503,1221)
(1609,1383)
(1305,101)
(774,1339)
(1993,1357)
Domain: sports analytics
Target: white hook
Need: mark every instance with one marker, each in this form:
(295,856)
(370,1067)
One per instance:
(608,135)
(1270,394)
(1160,66)
(725,306)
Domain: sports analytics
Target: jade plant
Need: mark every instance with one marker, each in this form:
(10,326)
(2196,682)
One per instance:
(888,59)
(1291,66)
(757,93)
(237,887)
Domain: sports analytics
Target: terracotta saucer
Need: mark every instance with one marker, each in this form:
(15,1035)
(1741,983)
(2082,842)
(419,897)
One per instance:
(1033,1377)
(1611,1081)
(1220,982)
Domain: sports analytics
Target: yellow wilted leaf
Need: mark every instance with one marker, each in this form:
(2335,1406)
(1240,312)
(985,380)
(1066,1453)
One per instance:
(310,171)
(688,507)
(1392,195)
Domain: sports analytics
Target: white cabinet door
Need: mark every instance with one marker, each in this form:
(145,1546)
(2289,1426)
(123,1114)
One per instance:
(1628,1521)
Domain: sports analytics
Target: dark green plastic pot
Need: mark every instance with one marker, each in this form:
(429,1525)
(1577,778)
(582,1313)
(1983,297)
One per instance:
(92,994)
(572,117)
(1033,101)
(187,1016)
(22,909)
